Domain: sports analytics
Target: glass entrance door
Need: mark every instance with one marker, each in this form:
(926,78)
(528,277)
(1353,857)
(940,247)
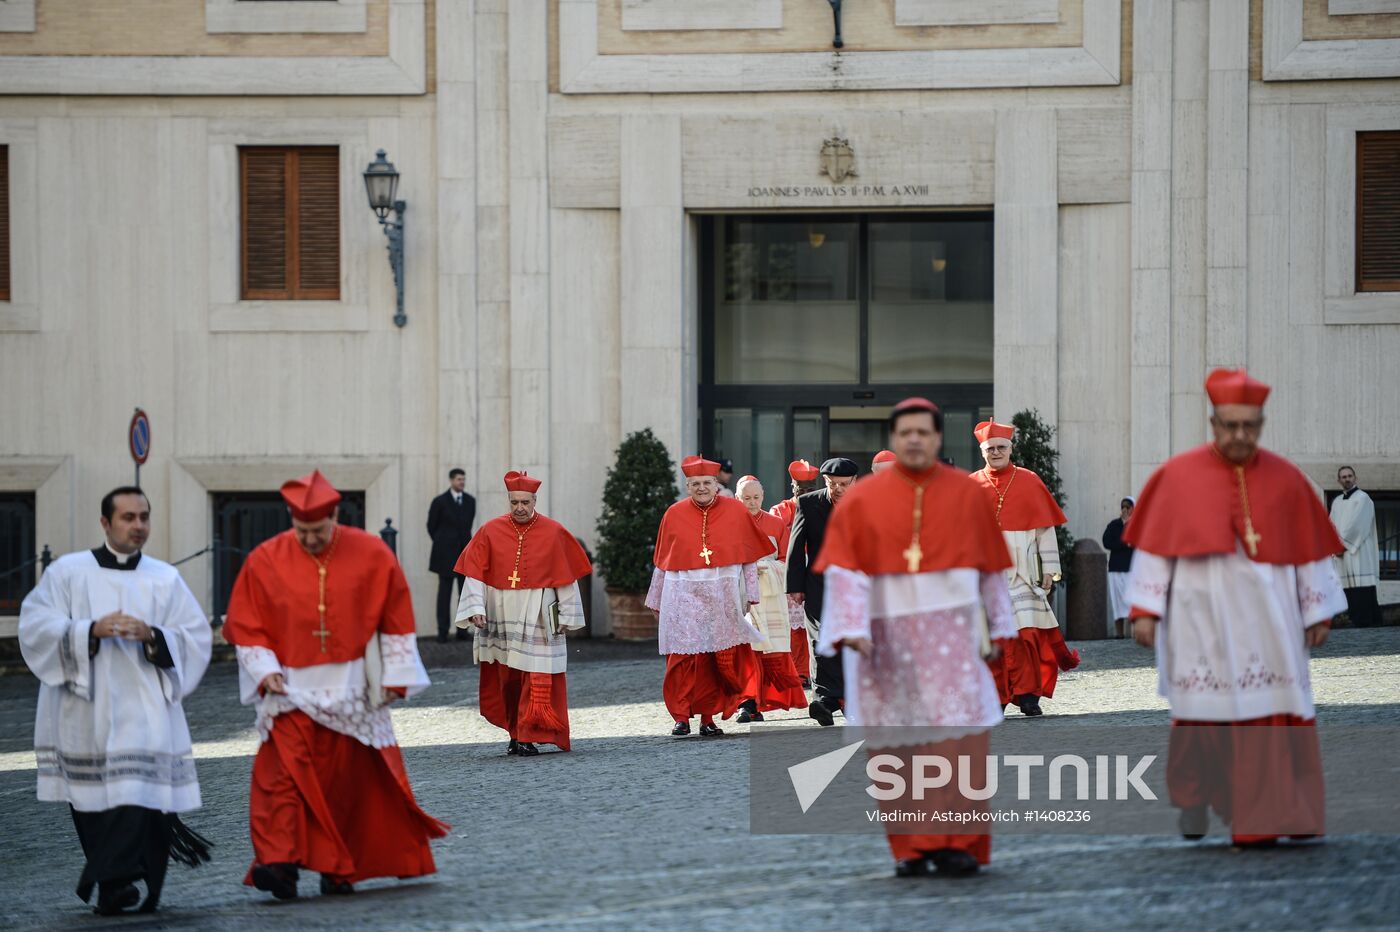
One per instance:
(813,326)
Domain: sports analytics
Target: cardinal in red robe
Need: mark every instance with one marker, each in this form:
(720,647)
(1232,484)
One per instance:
(804,478)
(323,626)
(1233,581)
(1027,514)
(704,581)
(778,685)
(521,594)
(904,606)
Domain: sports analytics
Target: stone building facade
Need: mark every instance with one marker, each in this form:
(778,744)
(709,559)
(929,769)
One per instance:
(617,212)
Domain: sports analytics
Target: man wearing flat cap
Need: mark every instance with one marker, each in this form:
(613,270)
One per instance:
(805,587)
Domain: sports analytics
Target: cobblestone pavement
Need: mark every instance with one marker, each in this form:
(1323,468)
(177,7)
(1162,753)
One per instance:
(636,829)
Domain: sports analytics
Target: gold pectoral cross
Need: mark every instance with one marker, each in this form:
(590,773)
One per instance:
(514,578)
(322,632)
(1251,539)
(706,553)
(914,554)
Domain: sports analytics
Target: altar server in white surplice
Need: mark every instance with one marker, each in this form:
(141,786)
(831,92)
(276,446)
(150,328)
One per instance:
(117,641)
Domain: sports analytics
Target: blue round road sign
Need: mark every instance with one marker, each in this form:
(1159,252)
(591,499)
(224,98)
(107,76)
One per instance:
(139,437)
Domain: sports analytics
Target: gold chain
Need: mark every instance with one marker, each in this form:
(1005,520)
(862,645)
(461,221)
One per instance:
(514,576)
(1001,496)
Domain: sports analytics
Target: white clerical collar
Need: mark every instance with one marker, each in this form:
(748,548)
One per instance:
(121,558)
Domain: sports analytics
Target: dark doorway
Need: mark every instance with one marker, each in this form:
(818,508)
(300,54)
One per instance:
(242,520)
(17,547)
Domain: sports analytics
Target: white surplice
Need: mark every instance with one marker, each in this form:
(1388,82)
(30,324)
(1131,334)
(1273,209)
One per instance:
(517,625)
(1230,640)
(1033,553)
(703,611)
(110,728)
(336,695)
(1355,519)
(929,633)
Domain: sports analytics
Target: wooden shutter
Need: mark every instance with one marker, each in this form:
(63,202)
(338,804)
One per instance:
(291,222)
(1378,211)
(318,223)
(4,223)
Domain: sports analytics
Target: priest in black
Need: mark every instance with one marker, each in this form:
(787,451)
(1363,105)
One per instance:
(450,519)
(805,587)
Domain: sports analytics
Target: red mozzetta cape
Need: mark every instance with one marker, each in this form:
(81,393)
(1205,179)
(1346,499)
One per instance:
(775,527)
(1029,504)
(1191,507)
(873,524)
(785,509)
(274,602)
(730,534)
(551,558)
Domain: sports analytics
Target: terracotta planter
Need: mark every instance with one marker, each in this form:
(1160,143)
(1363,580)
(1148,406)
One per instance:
(631,620)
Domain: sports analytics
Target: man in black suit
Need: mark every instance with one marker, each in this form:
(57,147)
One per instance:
(450,518)
(805,587)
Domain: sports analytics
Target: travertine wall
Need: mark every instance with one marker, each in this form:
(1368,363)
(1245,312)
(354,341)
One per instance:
(1197,215)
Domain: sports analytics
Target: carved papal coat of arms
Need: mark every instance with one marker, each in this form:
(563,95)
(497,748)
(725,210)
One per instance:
(838,159)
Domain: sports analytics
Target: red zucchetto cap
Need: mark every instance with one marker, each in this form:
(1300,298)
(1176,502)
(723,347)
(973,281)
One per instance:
(884,456)
(694,466)
(311,498)
(520,482)
(803,471)
(914,404)
(991,430)
(1235,387)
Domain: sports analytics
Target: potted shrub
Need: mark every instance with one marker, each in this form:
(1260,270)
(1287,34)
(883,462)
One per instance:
(640,487)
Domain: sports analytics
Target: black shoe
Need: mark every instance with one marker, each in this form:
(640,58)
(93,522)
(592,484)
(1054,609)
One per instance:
(681,730)
(914,867)
(821,713)
(1194,823)
(954,862)
(711,731)
(513,748)
(748,712)
(442,639)
(526,749)
(332,887)
(278,879)
(115,898)
(1030,705)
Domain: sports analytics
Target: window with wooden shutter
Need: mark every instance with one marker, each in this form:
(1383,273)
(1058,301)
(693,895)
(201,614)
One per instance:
(1378,211)
(290,222)
(4,223)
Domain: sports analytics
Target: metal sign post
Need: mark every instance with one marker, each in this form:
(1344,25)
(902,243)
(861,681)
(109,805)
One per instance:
(138,440)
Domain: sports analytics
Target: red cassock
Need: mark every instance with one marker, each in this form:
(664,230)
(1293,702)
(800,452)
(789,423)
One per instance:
(320,798)
(1031,665)
(1192,507)
(532,707)
(714,683)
